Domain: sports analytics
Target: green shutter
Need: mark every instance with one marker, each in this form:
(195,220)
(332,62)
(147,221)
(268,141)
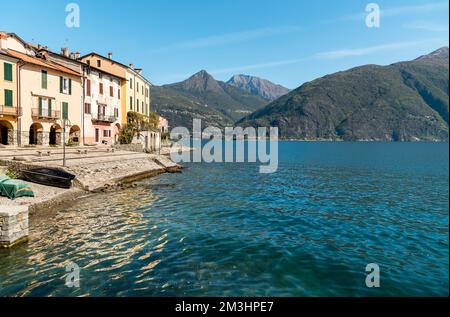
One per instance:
(70,86)
(60,84)
(8,98)
(44,79)
(131,103)
(65,111)
(8,71)
(50,108)
(40,106)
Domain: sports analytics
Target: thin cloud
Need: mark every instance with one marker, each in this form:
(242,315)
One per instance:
(258,66)
(404,10)
(427,26)
(370,50)
(228,38)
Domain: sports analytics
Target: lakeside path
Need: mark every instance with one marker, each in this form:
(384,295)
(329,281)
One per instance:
(96,168)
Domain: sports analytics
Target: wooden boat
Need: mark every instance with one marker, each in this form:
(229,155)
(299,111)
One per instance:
(48,176)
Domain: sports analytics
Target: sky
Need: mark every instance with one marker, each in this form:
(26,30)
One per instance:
(288,42)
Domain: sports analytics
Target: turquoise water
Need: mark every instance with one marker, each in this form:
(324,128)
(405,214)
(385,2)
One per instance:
(225,230)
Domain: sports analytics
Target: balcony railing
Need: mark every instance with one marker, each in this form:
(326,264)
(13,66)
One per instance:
(103,118)
(46,113)
(10,111)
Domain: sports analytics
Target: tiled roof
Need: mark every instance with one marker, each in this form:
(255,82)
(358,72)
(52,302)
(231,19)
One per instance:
(41,62)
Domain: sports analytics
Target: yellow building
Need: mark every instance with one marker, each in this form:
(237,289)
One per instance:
(48,95)
(135,89)
(9,109)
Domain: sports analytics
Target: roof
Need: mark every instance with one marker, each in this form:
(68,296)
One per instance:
(105,72)
(41,62)
(6,35)
(4,53)
(119,63)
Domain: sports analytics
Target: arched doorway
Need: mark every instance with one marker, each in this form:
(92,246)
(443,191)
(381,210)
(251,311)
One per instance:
(116,133)
(74,134)
(36,134)
(6,133)
(55,134)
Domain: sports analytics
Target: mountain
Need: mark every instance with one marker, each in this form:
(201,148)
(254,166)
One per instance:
(258,87)
(405,101)
(201,96)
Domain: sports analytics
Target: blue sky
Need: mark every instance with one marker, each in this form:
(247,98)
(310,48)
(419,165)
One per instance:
(286,41)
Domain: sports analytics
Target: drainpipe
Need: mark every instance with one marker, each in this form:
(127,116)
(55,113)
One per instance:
(82,104)
(19,104)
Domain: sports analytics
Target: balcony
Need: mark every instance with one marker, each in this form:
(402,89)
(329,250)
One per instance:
(45,114)
(10,111)
(98,117)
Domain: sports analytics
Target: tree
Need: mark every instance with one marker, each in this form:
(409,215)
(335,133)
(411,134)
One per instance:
(137,123)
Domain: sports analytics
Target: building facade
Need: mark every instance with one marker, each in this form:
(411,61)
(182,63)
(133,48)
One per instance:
(102,107)
(135,87)
(49,96)
(9,105)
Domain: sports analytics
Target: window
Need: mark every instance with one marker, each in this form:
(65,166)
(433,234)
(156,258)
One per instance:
(111,91)
(45,107)
(137,105)
(89,63)
(8,98)
(143,108)
(137,87)
(118,94)
(65,110)
(116,113)
(88,87)
(106,133)
(99,63)
(101,88)
(8,75)
(87,108)
(65,85)
(131,103)
(100,75)
(131,83)
(44,79)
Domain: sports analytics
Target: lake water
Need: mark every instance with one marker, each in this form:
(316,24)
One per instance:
(225,230)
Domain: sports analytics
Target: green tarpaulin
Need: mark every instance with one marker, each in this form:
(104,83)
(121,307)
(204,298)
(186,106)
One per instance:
(13,188)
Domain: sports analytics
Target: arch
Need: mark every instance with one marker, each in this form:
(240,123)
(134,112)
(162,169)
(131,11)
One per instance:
(55,134)
(74,134)
(6,133)
(116,130)
(36,134)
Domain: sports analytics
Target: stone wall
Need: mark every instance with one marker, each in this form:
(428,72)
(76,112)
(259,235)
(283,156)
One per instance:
(130,147)
(13,225)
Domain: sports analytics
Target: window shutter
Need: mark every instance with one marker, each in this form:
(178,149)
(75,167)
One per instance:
(60,84)
(8,98)
(65,111)
(40,106)
(7,72)
(50,108)
(70,86)
(44,79)
(88,87)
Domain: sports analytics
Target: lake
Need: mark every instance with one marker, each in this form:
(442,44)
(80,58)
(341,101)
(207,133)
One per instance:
(309,229)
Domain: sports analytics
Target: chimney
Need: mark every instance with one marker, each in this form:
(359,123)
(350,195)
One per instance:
(110,55)
(77,55)
(138,70)
(65,51)
(131,66)
(72,55)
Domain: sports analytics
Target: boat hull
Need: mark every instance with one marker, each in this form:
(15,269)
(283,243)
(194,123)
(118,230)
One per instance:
(53,177)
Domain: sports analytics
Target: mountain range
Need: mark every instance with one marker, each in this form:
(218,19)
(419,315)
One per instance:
(258,87)
(201,96)
(405,101)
